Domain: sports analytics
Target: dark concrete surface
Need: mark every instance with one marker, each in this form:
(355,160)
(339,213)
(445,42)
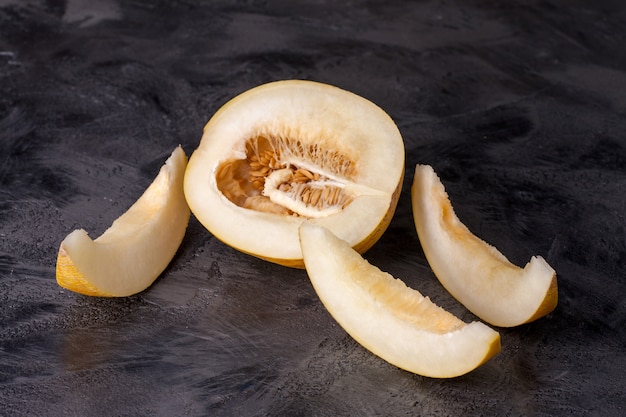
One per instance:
(520,106)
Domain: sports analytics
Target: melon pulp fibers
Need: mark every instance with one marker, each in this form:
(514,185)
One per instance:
(289,151)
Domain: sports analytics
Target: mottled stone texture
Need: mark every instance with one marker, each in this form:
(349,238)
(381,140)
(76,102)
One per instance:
(520,106)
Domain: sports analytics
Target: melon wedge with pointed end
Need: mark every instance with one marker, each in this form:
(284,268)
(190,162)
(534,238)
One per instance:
(388,318)
(134,251)
(474,272)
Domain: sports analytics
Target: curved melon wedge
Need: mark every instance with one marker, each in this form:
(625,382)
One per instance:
(474,272)
(388,318)
(134,251)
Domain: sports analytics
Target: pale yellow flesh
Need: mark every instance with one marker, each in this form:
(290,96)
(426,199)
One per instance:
(134,251)
(388,318)
(474,272)
(311,112)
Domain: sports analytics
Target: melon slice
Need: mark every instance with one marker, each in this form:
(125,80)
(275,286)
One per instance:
(388,318)
(474,272)
(134,251)
(290,151)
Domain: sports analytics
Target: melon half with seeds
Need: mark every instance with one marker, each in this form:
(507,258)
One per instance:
(290,151)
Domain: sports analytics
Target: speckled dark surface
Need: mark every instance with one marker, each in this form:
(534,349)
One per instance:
(519,106)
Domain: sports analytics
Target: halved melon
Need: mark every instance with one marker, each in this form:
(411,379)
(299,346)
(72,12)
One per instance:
(289,151)
(134,251)
(474,272)
(388,318)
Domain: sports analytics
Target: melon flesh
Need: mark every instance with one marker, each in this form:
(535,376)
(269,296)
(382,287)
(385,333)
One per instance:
(129,256)
(473,271)
(388,318)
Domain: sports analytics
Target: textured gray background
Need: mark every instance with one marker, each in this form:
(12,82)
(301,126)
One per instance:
(519,105)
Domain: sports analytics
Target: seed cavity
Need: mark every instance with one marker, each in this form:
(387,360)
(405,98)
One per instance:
(289,177)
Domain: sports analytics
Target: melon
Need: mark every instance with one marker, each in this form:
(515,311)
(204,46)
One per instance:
(131,254)
(391,320)
(292,151)
(474,272)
